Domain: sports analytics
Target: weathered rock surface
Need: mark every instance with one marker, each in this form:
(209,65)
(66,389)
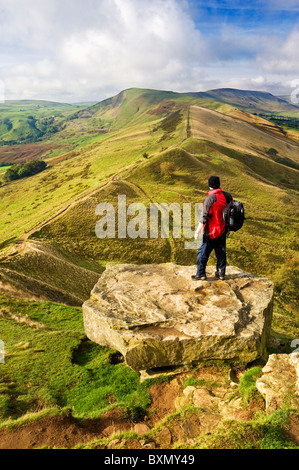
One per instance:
(157,317)
(279,384)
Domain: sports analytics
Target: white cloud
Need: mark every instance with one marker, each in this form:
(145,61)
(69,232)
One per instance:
(98,47)
(280,57)
(75,50)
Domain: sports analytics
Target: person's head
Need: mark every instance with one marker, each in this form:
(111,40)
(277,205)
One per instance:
(214,182)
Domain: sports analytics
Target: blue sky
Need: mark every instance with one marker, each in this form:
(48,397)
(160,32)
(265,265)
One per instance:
(88,50)
(254,16)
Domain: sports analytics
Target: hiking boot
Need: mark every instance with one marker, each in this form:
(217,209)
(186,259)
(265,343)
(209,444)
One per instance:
(199,278)
(217,274)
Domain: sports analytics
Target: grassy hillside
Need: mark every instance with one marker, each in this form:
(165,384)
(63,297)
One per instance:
(35,129)
(29,121)
(252,101)
(162,148)
(153,147)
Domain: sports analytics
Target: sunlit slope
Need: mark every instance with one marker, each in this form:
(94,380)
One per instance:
(40,271)
(252,101)
(30,121)
(141,106)
(258,121)
(26,203)
(152,147)
(239,135)
(36,129)
(180,175)
(160,147)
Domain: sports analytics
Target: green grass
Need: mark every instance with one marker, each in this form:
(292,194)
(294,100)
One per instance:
(247,387)
(62,183)
(17,125)
(263,432)
(263,193)
(56,366)
(193,382)
(50,364)
(251,248)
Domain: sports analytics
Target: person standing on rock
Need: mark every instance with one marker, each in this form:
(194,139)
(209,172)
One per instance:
(213,229)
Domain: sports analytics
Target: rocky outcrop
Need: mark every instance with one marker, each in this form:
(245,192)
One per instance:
(279,384)
(157,317)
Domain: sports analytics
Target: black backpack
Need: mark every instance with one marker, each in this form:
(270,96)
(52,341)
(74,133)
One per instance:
(234,216)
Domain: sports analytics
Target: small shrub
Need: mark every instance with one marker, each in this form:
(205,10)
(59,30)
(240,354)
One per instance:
(272,152)
(23,170)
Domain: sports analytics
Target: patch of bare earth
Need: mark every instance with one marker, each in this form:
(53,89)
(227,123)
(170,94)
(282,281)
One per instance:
(293,431)
(210,399)
(63,431)
(67,432)
(163,397)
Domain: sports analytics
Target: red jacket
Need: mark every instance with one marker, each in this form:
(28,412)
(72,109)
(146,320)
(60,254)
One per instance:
(212,212)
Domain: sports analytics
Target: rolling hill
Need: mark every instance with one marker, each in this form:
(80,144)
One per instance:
(153,147)
(252,101)
(54,129)
(143,130)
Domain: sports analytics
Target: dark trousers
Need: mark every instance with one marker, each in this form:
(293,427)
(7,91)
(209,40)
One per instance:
(204,251)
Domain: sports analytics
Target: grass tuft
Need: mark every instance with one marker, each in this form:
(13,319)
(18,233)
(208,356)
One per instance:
(247,387)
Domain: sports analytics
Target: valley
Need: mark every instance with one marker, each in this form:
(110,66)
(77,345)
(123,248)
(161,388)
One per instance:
(153,147)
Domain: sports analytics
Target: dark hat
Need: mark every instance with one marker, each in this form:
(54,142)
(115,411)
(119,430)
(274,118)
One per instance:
(214,182)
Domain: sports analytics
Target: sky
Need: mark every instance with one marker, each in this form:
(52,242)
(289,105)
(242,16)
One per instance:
(89,50)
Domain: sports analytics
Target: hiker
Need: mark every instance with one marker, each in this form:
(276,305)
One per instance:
(213,229)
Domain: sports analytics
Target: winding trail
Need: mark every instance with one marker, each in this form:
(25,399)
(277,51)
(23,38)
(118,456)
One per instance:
(61,212)
(116,177)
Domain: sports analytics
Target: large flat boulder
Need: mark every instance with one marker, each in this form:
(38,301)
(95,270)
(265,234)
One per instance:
(157,317)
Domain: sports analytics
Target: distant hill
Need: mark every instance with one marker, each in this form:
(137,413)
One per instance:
(59,127)
(40,103)
(254,101)
(30,122)
(286,98)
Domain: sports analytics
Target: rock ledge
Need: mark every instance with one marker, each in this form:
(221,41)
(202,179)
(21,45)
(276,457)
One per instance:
(157,317)
(279,383)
